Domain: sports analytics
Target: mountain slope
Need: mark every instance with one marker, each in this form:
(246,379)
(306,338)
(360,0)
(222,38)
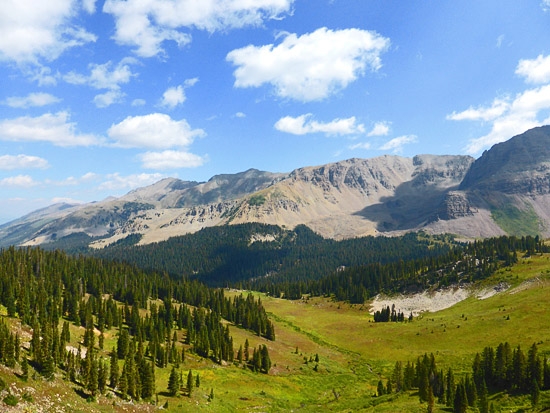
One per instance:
(506,190)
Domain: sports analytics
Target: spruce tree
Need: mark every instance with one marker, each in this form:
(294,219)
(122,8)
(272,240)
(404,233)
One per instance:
(173,382)
(114,370)
(381,390)
(189,383)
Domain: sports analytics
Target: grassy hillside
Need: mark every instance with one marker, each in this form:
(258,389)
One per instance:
(353,354)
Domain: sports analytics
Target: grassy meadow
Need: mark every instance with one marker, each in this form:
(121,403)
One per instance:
(353,354)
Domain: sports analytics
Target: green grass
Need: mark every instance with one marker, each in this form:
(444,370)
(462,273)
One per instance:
(515,221)
(354,353)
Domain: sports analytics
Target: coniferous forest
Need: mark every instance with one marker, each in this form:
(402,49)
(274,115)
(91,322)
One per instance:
(137,317)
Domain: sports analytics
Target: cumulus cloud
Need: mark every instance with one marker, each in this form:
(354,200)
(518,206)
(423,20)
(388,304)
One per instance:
(173,97)
(535,71)
(303,125)
(53,128)
(380,129)
(170,160)
(105,76)
(10,162)
(116,182)
(513,115)
(108,98)
(156,130)
(146,24)
(34,30)
(19,181)
(487,113)
(312,66)
(32,99)
(396,144)
(102,76)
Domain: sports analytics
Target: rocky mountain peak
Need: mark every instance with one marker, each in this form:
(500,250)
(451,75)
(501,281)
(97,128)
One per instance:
(519,165)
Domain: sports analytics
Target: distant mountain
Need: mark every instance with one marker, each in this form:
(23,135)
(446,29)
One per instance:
(505,191)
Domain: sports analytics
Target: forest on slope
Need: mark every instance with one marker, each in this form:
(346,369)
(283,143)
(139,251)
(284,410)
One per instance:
(235,254)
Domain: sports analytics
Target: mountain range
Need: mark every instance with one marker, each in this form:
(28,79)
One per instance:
(505,191)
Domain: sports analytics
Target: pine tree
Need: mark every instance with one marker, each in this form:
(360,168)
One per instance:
(535,393)
(483,398)
(173,382)
(450,388)
(189,383)
(381,390)
(460,404)
(265,360)
(431,400)
(102,376)
(25,368)
(113,371)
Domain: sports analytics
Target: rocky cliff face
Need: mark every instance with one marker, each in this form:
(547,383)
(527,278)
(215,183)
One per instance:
(520,165)
(355,197)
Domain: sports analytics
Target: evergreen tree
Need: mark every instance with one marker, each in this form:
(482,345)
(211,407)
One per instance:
(113,369)
(431,400)
(451,389)
(460,404)
(380,389)
(102,376)
(265,360)
(189,383)
(535,393)
(483,398)
(173,382)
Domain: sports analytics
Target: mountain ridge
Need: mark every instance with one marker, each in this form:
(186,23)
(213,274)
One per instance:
(496,194)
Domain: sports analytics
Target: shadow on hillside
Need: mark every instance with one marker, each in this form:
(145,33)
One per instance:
(414,203)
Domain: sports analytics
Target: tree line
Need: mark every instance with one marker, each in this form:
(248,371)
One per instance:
(465,262)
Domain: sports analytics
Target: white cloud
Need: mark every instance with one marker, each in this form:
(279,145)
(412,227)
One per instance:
(138,102)
(32,99)
(42,75)
(396,144)
(171,160)
(523,113)
(240,115)
(535,70)
(497,109)
(500,39)
(146,24)
(380,129)
(108,98)
(10,162)
(102,77)
(312,66)
(89,6)
(20,181)
(545,4)
(303,124)
(53,128)
(173,97)
(156,130)
(513,115)
(117,182)
(32,30)
(361,145)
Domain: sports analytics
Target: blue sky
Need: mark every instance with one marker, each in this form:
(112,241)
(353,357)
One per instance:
(100,97)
